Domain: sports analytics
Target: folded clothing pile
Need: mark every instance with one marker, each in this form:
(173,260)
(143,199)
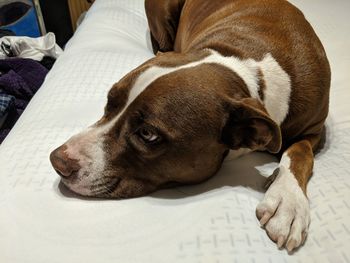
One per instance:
(24,63)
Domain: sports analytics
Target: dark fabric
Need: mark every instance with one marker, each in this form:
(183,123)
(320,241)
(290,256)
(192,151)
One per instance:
(6,32)
(47,62)
(20,78)
(3,134)
(6,102)
(14,84)
(12,117)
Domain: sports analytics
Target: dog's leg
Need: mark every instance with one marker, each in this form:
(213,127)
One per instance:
(284,211)
(163,18)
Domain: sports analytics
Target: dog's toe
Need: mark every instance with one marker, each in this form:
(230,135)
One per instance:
(284,213)
(297,234)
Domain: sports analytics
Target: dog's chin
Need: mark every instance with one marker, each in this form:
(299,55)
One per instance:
(115,189)
(77,189)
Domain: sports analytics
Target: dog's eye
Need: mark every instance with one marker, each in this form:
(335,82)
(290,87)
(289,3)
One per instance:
(148,135)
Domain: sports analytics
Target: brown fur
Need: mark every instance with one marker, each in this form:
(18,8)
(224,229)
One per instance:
(202,112)
(199,113)
(254,28)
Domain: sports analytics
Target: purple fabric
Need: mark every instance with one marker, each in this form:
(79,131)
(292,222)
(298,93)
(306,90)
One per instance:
(14,84)
(20,78)
(21,104)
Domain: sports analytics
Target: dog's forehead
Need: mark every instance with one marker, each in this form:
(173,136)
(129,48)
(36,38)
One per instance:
(160,84)
(128,89)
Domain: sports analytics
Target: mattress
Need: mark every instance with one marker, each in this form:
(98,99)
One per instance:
(210,222)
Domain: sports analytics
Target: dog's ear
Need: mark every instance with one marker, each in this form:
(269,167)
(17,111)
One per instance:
(163,18)
(249,126)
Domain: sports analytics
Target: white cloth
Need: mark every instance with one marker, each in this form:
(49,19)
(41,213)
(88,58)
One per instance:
(34,48)
(210,222)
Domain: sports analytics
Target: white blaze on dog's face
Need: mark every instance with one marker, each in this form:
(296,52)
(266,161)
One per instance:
(166,124)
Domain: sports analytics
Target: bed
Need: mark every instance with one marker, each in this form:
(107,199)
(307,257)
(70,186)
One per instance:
(211,222)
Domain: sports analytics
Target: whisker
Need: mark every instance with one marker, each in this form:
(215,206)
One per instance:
(97,180)
(107,188)
(96,186)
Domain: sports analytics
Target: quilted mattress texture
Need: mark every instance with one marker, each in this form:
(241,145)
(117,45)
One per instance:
(210,222)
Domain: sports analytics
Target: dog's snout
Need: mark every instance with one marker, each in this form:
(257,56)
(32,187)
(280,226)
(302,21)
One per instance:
(63,165)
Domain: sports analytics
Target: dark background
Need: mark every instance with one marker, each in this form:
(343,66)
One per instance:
(57,19)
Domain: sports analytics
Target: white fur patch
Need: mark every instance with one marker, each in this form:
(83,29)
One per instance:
(278,88)
(285,209)
(87,148)
(276,79)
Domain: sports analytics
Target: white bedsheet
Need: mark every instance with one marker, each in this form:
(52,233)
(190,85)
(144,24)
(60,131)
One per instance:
(211,222)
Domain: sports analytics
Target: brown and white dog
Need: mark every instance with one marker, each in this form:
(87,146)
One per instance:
(239,75)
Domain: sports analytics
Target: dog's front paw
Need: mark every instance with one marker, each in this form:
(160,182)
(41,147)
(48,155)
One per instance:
(284,211)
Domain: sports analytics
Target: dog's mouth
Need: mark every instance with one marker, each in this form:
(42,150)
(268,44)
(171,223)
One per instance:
(99,188)
(105,189)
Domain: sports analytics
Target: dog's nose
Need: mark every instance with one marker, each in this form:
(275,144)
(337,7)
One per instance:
(63,165)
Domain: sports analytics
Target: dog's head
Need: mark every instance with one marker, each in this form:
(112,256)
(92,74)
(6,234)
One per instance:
(169,121)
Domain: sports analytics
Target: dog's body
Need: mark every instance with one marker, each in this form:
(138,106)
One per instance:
(232,74)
